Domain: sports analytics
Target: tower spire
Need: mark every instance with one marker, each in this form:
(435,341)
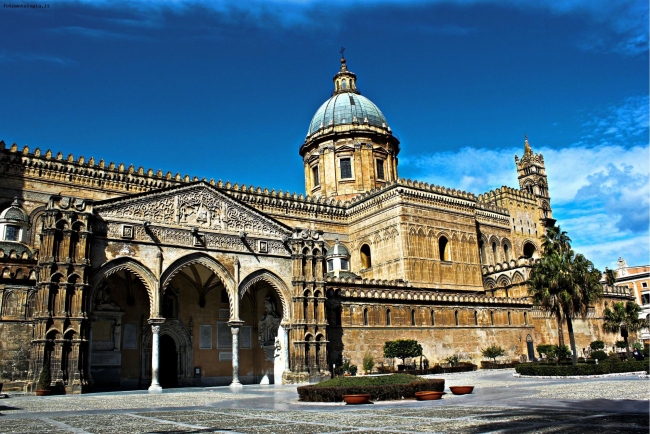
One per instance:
(527,148)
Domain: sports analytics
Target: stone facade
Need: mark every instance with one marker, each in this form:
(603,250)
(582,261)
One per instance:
(123,278)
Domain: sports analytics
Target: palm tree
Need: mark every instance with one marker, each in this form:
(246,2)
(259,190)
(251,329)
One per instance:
(624,318)
(563,283)
(610,277)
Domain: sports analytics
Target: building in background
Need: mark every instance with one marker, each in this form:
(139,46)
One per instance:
(636,279)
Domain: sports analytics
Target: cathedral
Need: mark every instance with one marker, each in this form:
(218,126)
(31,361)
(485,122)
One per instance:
(119,277)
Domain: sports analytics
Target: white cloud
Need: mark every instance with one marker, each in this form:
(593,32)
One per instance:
(599,187)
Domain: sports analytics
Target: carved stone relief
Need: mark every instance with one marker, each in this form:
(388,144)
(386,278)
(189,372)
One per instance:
(196,207)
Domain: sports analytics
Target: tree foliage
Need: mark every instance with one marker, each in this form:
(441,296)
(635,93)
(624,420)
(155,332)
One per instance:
(492,352)
(402,349)
(597,345)
(623,319)
(564,283)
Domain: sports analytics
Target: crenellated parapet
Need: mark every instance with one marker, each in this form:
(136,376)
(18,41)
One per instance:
(500,195)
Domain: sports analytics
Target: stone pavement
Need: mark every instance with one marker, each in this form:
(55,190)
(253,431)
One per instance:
(500,403)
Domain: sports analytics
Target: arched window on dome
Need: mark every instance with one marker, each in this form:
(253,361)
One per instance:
(315,176)
(344,84)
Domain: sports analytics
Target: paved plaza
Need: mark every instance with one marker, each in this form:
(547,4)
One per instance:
(500,403)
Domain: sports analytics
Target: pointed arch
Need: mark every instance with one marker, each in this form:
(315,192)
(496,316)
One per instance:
(273,280)
(211,264)
(143,274)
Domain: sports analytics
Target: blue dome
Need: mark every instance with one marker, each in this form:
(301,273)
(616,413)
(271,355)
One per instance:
(347,108)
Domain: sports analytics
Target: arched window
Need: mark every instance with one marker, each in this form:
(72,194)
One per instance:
(529,250)
(365,317)
(387,316)
(475,317)
(492,317)
(433,318)
(344,84)
(506,252)
(314,176)
(509,319)
(456,317)
(526,318)
(345,264)
(481,251)
(366,259)
(495,254)
(11,304)
(412,317)
(330,265)
(443,246)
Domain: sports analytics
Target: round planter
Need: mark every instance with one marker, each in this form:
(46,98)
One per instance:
(43,392)
(361,398)
(461,390)
(428,395)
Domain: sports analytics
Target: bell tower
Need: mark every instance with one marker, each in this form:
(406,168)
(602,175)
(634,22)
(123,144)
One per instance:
(532,179)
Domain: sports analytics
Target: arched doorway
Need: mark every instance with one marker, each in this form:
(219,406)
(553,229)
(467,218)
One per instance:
(262,340)
(168,362)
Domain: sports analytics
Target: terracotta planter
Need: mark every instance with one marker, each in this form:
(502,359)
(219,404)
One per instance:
(361,398)
(428,395)
(461,390)
(43,392)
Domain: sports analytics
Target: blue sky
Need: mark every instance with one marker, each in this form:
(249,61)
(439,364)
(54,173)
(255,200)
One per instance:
(226,90)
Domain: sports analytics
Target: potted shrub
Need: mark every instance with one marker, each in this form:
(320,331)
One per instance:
(44,380)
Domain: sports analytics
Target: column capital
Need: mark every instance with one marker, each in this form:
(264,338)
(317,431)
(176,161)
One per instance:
(156,321)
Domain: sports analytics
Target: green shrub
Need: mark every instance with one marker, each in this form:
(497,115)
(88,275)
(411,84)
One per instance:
(546,350)
(638,346)
(563,352)
(368,362)
(580,369)
(387,387)
(599,354)
(597,345)
(492,352)
(621,344)
(45,378)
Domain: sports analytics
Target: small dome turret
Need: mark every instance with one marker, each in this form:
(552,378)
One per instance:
(14,213)
(338,260)
(14,223)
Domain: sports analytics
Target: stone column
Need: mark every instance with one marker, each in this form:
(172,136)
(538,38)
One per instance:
(234,329)
(155,354)
(285,348)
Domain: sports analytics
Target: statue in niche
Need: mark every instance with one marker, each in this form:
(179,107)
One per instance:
(268,328)
(103,299)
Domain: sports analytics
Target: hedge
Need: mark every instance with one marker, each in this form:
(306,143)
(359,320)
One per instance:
(580,369)
(388,387)
(492,365)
